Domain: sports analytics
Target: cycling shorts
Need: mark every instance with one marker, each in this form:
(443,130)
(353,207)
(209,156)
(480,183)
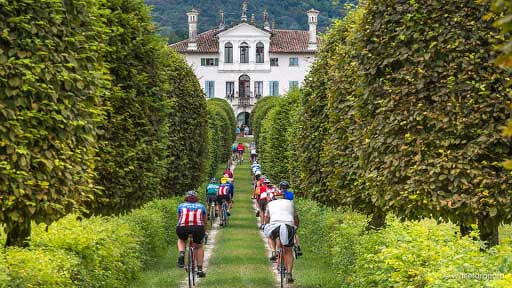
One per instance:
(274,233)
(211,199)
(197,232)
(223,197)
(263,204)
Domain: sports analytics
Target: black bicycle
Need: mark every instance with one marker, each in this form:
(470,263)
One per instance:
(281,267)
(211,215)
(191,265)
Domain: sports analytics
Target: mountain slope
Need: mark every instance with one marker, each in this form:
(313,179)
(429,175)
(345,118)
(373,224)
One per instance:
(170,15)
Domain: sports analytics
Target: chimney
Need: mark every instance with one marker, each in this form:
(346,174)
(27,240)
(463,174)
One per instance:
(312,20)
(222,25)
(253,20)
(266,23)
(192,29)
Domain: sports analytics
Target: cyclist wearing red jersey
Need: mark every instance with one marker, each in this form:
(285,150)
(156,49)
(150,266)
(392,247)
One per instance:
(240,149)
(191,219)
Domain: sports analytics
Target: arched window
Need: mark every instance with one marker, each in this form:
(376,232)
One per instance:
(244,52)
(228,53)
(260,53)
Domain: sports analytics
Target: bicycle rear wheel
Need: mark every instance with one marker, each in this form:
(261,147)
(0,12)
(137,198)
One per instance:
(190,265)
(225,214)
(212,216)
(282,272)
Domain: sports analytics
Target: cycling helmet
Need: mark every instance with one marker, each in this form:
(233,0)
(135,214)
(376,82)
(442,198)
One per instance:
(257,173)
(284,185)
(213,180)
(266,181)
(191,196)
(191,193)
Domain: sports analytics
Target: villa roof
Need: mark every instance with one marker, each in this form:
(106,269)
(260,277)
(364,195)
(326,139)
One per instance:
(281,41)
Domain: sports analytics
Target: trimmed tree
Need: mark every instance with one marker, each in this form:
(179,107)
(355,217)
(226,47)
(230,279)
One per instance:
(259,112)
(438,104)
(51,79)
(135,136)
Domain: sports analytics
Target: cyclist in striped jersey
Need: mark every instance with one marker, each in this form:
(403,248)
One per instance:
(191,220)
(224,193)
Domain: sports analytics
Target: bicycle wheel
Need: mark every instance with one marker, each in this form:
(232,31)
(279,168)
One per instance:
(224,214)
(212,215)
(193,268)
(190,267)
(281,267)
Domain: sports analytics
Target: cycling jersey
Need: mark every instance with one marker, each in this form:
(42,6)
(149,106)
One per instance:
(229,173)
(263,192)
(240,147)
(234,148)
(288,195)
(223,190)
(191,214)
(212,189)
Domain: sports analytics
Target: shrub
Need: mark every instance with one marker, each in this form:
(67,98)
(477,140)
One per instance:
(405,254)
(219,145)
(230,113)
(40,267)
(4,276)
(51,78)
(109,250)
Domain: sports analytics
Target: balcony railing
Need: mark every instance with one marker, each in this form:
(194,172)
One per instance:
(246,101)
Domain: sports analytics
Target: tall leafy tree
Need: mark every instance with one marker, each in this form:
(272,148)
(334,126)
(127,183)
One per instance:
(134,140)
(51,80)
(439,102)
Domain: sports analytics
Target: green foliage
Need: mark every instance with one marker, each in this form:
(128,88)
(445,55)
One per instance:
(109,250)
(188,131)
(229,112)
(172,19)
(436,105)
(405,254)
(221,134)
(93,252)
(134,144)
(51,78)
(259,112)
(294,149)
(4,277)
(505,23)
(40,267)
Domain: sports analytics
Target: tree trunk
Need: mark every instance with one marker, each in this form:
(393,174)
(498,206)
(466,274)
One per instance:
(378,220)
(19,235)
(488,227)
(465,230)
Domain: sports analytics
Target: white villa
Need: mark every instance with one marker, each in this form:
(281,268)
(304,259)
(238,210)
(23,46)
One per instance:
(244,62)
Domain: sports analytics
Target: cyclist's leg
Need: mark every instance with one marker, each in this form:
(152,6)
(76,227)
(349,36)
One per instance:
(182,234)
(198,234)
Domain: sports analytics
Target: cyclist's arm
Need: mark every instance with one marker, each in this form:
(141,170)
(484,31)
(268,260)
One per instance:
(266,219)
(296,220)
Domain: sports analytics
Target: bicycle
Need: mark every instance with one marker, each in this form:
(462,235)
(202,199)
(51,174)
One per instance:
(190,267)
(211,215)
(224,213)
(281,267)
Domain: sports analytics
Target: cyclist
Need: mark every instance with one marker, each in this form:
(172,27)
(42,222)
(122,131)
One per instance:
(288,195)
(223,194)
(281,221)
(255,167)
(240,149)
(229,181)
(262,201)
(228,172)
(254,154)
(234,151)
(191,220)
(211,193)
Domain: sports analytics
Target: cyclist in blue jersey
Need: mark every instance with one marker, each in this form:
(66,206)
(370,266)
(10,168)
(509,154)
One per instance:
(288,195)
(191,221)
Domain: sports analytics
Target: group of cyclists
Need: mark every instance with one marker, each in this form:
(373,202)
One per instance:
(238,152)
(278,217)
(193,216)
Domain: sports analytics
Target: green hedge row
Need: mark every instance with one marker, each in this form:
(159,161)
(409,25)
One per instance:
(402,113)
(259,112)
(93,252)
(96,112)
(220,134)
(339,252)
